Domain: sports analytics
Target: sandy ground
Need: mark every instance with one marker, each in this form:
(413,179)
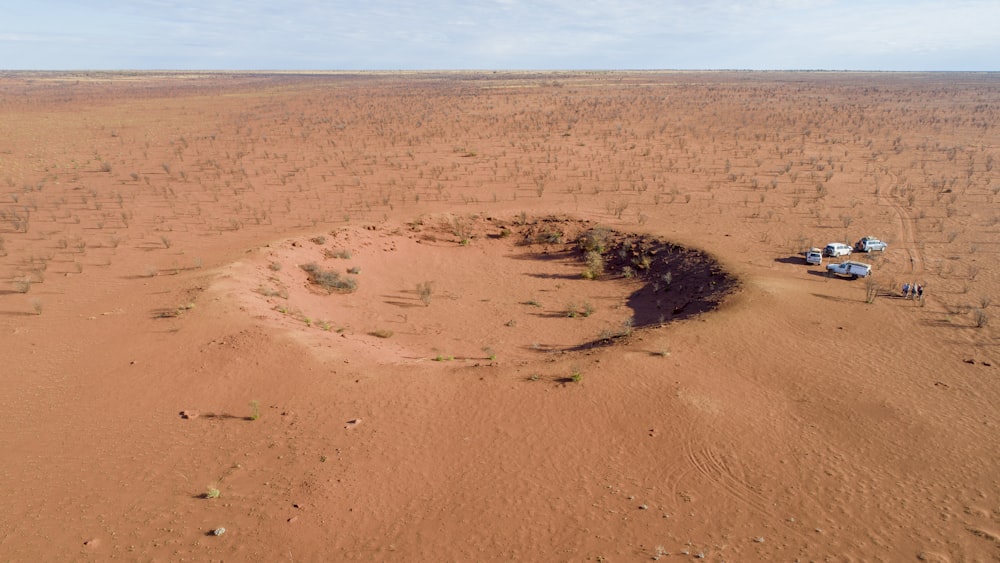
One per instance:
(475,397)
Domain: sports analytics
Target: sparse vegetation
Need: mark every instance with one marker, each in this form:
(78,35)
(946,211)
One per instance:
(662,153)
(329,280)
(254,410)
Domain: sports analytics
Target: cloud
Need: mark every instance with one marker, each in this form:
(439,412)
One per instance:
(487,34)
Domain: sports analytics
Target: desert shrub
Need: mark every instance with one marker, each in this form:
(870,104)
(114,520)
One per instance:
(594,240)
(267,291)
(339,253)
(425,290)
(551,237)
(461,229)
(871,290)
(22,285)
(382,333)
(329,279)
(642,262)
(320,240)
(980,317)
(595,265)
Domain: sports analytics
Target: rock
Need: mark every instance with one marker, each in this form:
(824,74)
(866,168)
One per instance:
(218,531)
(189,414)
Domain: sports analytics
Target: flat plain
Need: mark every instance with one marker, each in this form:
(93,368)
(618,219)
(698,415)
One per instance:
(498,316)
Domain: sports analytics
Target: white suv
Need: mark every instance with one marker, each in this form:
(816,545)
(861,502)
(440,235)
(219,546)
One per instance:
(814,256)
(835,249)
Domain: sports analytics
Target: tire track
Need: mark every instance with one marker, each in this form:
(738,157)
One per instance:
(703,459)
(906,227)
(730,476)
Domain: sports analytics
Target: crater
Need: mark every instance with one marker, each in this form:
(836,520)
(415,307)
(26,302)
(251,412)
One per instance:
(476,288)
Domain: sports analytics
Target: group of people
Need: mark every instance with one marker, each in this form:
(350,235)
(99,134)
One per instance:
(913,291)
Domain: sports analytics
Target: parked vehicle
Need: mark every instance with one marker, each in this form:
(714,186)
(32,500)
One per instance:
(869,244)
(814,256)
(835,249)
(853,269)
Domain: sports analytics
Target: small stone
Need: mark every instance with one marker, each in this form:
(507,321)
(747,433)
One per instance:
(759,539)
(92,543)
(293,519)
(643,507)
(218,531)
(189,414)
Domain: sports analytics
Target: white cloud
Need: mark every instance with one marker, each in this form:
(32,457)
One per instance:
(877,34)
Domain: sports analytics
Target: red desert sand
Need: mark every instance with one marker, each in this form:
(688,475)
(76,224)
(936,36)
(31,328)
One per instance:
(498,316)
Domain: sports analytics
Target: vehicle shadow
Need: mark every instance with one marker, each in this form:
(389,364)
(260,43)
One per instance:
(791,260)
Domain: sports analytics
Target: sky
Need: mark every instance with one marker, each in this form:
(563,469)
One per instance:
(889,35)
